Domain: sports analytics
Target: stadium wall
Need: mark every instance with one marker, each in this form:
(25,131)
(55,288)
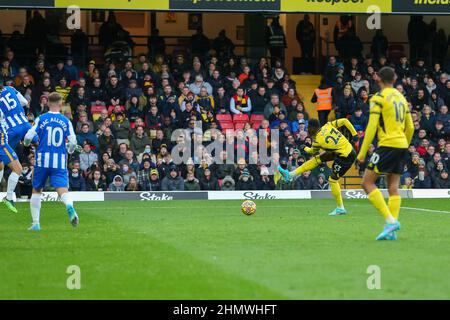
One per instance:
(234,195)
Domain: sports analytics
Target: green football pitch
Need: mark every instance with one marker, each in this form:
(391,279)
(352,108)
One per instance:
(210,250)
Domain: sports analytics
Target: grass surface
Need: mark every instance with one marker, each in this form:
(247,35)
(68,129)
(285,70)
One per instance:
(209,250)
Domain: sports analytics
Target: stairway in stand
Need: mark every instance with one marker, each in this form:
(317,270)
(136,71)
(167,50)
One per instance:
(306,84)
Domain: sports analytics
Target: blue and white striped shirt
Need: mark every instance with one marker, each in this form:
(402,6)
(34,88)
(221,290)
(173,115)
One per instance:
(11,109)
(53,129)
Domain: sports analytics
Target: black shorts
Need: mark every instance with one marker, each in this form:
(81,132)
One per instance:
(387,160)
(341,164)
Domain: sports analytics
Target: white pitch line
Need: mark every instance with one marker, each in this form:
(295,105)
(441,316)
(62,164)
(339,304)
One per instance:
(426,210)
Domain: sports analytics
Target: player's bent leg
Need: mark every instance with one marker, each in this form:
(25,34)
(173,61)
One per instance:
(66,198)
(395,201)
(9,158)
(13,179)
(2,171)
(35,208)
(311,164)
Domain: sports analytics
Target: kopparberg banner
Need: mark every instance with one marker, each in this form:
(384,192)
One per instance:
(226,5)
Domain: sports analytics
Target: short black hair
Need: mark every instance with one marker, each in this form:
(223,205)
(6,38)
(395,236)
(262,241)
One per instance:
(313,126)
(387,75)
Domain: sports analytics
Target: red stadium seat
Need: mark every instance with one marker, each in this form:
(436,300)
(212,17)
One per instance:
(258,118)
(97,109)
(239,125)
(224,118)
(227,125)
(241,118)
(111,109)
(256,125)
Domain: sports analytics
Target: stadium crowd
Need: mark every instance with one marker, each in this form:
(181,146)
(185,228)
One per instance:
(125,111)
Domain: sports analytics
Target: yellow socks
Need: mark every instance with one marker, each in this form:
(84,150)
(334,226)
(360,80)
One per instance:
(308,165)
(376,197)
(336,192)
(394,205)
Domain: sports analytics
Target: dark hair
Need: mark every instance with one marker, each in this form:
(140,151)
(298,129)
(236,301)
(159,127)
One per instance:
(313,126)
(387,75)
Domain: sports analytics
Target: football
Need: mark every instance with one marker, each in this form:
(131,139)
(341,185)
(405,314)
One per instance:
(248,207)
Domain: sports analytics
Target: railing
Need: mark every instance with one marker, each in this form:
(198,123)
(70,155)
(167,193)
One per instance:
(348,184)
(172,43)
(330,50)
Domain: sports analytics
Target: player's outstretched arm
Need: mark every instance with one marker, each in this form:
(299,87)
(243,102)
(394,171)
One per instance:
(29,136)
(371,131)
(409,127)
(346,123)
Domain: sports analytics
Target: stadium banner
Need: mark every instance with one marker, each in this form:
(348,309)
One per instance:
(430,194)
(259,195)
(335,6)
(357,194)
(226,5)
(421,6)
(115,4)
(156,195)
(27,3)
(82,196)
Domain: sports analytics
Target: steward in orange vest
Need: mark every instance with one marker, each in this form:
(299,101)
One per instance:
(323,96)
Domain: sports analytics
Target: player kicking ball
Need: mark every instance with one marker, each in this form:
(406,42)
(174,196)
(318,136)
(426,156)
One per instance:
(336,148)
(390,119)
(52,129)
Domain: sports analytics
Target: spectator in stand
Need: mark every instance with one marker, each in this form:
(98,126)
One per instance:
(200,44)
(191,183)
(139,141)
(121,128)
(96,182)
(117,185)
(87,157)
(240,103)
(345,104)
(154,183)
(172,182)
(76,181)
(199,84)
(87,135)
(305,182)
(443,182)
(245,181)
(265,182)
(208,181)
(273,104)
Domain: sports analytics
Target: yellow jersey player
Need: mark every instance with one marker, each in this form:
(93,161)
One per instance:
(329,144)
(390,120)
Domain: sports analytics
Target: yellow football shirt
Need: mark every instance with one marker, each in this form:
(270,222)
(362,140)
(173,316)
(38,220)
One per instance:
(329,138)
(390,120)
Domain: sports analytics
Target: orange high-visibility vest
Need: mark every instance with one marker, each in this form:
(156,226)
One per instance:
(324,99)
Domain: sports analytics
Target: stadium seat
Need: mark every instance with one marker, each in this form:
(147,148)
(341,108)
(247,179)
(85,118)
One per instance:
(224,118)
(97,109)
(258,118)
(241,118)
(226,125)
(239,125)
(256,125)
(395,52)
(111,109)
